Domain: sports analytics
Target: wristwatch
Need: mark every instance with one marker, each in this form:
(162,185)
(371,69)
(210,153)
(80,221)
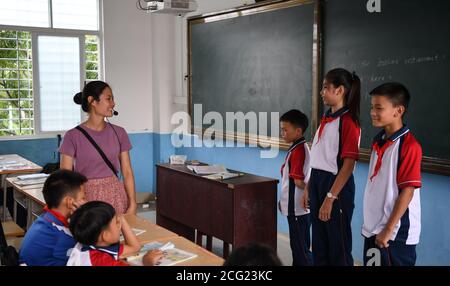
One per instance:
(331,196)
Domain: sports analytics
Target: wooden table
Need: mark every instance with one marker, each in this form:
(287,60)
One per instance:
(152,231)
(14,164)
(237,210)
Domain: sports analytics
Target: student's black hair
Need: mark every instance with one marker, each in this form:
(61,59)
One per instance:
(60,184)
(253,254)
(89,220)
(352,85)
(94,89)
(396,92)
(296,118)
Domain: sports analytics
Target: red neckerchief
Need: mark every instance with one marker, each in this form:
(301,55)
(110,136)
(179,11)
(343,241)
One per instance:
(57,215)
(380,152)
(325,120)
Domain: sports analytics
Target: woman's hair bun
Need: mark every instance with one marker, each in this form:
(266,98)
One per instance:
(78,98)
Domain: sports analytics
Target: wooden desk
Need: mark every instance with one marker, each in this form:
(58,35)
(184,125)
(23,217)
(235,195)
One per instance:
(29,196)
(20,166)
(238,210)
(152,231)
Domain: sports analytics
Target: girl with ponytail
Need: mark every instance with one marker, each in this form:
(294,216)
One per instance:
(331,189)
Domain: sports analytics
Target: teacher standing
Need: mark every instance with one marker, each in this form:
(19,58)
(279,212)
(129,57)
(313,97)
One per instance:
(79,153)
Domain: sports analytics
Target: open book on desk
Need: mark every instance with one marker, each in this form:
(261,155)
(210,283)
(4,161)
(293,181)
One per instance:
(171,255)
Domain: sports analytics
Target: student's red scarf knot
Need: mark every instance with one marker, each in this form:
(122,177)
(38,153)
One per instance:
(325,120)
(380,152)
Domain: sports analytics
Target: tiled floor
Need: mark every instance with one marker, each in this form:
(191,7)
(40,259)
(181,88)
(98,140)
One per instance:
(283,247)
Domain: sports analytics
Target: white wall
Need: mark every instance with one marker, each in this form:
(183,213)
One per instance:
(169,37)
(128,63)
(145,58)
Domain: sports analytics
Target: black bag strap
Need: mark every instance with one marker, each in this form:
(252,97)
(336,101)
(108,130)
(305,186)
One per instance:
(99,150)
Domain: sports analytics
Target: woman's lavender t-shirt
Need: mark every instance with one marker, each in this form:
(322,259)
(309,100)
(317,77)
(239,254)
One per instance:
(87,160)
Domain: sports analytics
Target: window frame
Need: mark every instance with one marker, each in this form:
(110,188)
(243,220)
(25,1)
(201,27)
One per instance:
(57,32)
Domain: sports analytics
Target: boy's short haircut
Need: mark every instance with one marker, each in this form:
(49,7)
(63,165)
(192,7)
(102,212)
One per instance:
(89,220)
(253,254)
(396,92)
(60,184)
(297,118)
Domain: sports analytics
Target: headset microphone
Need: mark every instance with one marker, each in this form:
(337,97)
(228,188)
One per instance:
(115,112)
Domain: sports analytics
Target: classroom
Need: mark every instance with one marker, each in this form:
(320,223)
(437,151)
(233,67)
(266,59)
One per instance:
(197,87)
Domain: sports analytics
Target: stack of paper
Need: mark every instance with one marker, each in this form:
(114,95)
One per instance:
(203,170)
(32,179)
(5,165)
(222,176)
(32,176)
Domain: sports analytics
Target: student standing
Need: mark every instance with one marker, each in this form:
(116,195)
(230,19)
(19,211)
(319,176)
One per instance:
(294,175)
(392,195)
(331,188)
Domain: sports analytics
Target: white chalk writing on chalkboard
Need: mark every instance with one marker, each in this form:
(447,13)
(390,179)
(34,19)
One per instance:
(378,77)
(423,59)
(387,62)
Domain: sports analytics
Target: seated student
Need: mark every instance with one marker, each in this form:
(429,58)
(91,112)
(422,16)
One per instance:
(48,240)
(392,196)
(96,228)
(253,254)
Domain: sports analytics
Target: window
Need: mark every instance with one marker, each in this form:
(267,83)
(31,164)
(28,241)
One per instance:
(42,68)
(16,80)
(65,14)
(33,13)
(59,78)
(82,15)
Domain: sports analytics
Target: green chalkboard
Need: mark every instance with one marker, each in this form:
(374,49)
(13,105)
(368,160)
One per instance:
(408,42)
(257,60)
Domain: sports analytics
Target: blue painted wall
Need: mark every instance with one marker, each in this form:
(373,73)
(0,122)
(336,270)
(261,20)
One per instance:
(39,151)
(150,148)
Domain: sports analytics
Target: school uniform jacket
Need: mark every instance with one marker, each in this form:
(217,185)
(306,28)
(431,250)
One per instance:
(337,138)
(90,255)
(296,166)
(394,166)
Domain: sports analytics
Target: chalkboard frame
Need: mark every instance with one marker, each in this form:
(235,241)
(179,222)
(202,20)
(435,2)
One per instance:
(266,6)
(429,164)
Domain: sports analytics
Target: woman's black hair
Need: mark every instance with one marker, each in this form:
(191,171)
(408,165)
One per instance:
(94,89)
(89,220)
(352,86)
